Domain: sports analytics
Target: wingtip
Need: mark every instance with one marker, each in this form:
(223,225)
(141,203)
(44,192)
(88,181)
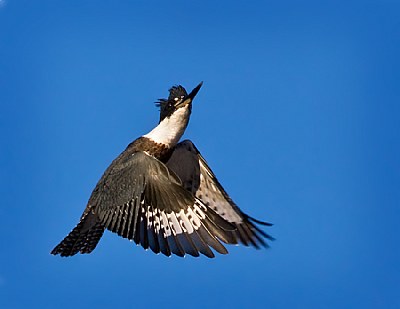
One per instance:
(259,221)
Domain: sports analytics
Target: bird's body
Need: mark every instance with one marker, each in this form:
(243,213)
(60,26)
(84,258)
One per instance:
(163,195)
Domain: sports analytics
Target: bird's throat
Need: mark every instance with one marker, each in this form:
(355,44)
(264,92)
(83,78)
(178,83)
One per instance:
(170,129)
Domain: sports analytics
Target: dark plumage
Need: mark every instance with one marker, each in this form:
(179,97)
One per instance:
(164,196)
(176,94)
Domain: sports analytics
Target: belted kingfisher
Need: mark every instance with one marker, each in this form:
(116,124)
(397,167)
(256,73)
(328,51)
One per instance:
(163,195)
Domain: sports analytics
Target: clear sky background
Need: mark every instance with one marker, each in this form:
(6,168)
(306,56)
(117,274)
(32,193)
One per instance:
(298,116)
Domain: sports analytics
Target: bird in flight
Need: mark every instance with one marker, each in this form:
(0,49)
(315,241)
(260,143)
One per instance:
(162,195)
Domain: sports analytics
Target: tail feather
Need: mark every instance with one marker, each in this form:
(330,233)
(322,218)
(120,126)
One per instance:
(81,239)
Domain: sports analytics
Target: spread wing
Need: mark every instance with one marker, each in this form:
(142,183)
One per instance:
(141,199)
(197,177)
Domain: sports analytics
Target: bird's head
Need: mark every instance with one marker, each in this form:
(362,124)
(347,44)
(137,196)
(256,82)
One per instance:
(174,116)
(178,98)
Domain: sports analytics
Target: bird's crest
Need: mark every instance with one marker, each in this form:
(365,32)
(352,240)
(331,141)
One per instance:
(175,93)
(166,106)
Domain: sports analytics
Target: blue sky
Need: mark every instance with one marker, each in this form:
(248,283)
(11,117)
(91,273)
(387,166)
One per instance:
(298,116)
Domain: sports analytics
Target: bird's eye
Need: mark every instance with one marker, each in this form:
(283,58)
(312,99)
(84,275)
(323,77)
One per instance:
(176,99)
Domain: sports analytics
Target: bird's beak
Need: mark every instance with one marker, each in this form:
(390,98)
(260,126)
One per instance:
(189,98)
(194,91)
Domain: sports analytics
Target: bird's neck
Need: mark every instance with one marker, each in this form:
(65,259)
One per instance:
(170,129)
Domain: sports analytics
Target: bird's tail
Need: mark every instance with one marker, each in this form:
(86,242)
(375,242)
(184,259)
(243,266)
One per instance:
(83,238)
